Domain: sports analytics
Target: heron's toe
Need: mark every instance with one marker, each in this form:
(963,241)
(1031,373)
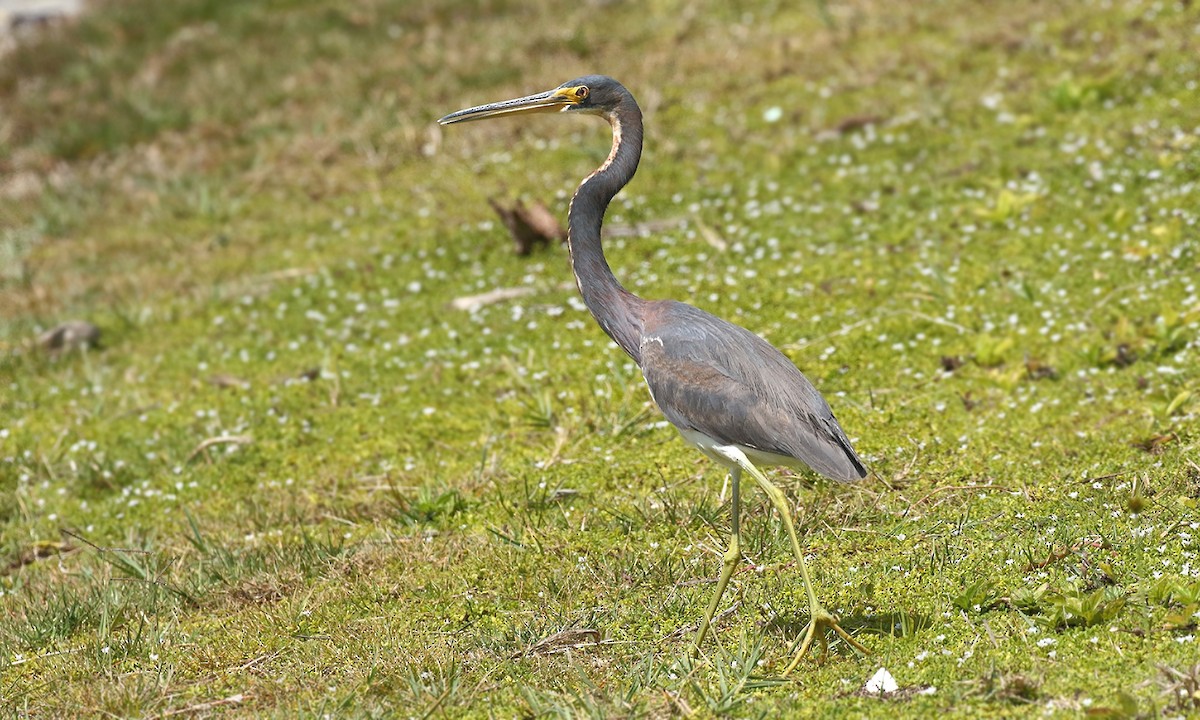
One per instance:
(820,623)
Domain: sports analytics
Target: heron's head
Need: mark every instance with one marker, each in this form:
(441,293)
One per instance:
(594,94)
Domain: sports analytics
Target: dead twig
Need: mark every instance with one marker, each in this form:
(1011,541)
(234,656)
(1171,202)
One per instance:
(429,711)
(1060,553)
(679,702)
(530,226)
(259,284)
(491,297)
(71,335)
(68,651)
(201,707)
(644,228)
(712,237)
(251,663)
(958,488)
(718,618)
(218,440)
(568,639)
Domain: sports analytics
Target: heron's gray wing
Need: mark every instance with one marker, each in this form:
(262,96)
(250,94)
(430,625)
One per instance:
(714,377)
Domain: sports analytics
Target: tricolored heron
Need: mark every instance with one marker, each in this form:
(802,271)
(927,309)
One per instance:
(730,393)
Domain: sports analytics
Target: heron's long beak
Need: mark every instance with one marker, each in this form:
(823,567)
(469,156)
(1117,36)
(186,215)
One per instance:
(549,101)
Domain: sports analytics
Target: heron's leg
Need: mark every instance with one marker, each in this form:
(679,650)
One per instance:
(819,617)
(730,560)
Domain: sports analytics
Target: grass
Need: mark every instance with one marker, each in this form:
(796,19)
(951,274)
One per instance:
(292,482)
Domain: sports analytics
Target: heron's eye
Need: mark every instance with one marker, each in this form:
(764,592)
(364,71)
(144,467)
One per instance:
(581,92)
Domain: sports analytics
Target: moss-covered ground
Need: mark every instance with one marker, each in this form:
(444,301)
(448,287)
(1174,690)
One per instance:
(292,481)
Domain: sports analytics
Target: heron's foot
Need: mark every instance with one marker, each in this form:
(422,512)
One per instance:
(820,622)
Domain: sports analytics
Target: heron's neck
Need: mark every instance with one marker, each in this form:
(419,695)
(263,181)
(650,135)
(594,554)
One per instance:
(618,311)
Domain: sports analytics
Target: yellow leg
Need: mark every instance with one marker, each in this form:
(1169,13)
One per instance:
(730,560)
(820,619)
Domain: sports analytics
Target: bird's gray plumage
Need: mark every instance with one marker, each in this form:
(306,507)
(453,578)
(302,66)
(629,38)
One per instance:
(730,393)
(724,381)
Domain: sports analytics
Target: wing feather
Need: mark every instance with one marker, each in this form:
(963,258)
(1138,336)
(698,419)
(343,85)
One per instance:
(714,377)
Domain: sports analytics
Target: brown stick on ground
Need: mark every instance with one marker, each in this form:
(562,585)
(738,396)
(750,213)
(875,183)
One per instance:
(530,225)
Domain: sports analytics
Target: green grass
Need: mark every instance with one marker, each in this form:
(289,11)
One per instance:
(973,227)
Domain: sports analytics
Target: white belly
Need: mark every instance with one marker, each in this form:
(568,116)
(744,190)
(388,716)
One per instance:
(721,452)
